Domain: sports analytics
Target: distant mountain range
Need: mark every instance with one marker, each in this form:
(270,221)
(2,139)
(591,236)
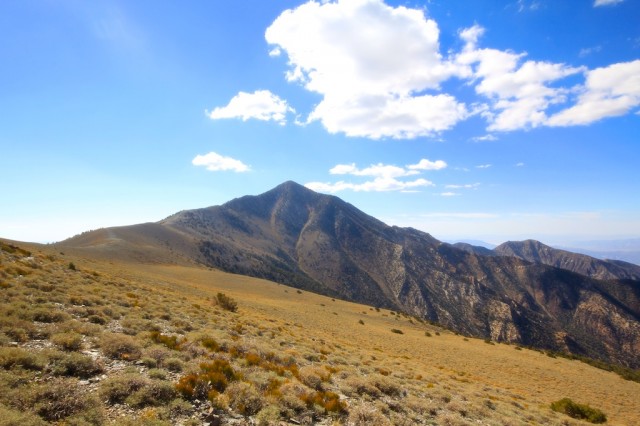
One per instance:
(536,252)
(524,292)
(627,250)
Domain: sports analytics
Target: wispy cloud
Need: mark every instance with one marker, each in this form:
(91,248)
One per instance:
(524,6)
(375,170)
(598,3)
(458,215)
(449,194)
(485,138)
(589,50)
(483,166)
(260,105)
(386,177)
(465,186)
(215,163)
(380,184)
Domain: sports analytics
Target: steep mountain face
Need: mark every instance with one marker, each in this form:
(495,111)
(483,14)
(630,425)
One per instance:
(317,242)
(535,251)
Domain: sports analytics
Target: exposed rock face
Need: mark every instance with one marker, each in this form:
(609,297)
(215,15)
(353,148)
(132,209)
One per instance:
(535,251)
(318,242)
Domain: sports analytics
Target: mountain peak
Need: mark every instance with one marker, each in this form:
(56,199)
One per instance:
(291,189)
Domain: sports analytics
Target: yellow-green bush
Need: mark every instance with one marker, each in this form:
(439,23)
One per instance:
(68,341)
(20,358)
(578,411)
(120,346)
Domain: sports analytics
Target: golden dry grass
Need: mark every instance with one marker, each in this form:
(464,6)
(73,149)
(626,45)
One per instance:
(472,367)
(440,378)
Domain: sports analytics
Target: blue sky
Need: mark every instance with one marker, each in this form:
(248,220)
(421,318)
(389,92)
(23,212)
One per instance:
(487,120)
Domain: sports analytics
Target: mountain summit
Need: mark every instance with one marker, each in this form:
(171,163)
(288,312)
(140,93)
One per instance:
(317,242)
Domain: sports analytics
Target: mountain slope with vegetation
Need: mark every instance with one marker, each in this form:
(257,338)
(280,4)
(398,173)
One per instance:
(320,243)
(85,340)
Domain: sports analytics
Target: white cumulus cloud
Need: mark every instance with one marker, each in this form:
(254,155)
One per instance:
(425,164)
(372,64)
(379,73)
(215,162)
(260,105)
(519,93)
(608,92)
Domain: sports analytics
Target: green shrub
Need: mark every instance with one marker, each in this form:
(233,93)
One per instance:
(180,407)
(157,373)
(10,417)
(73,364)
(174,365)
(120,346)
(20,358)
(244,398)
(149,362)
(117,389)
(69,341)
(155,393)
(210,343)
(268,416)
(170,342)
(97,319)
(395,330)
(578,411)
(226,302)
(59,399)
(47,315)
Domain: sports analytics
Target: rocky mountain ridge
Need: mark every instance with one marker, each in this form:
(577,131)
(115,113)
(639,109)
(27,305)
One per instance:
(535,251)
(317,242)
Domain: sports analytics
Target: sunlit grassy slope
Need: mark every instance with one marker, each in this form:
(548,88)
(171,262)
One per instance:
(294,352)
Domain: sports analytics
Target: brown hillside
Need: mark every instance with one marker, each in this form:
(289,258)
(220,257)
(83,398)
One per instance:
(420,374)
(320,243)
